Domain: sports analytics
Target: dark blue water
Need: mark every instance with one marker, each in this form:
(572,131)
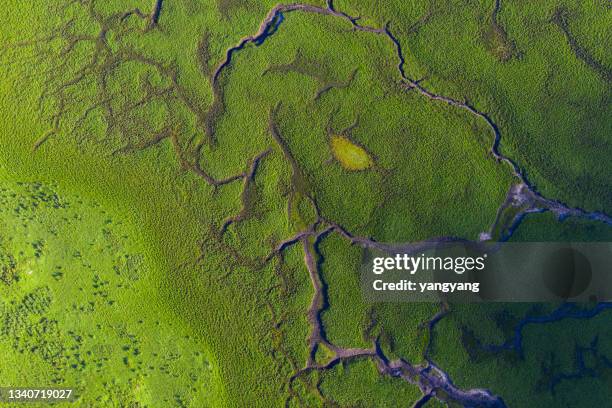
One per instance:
(565,311)
(271,28)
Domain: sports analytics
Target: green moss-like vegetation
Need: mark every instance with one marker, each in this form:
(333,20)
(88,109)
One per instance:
(169,207)
(352,384)
(69,317)
(550,373)
(540,69)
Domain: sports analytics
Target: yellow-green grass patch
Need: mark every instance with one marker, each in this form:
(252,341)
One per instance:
(350,155)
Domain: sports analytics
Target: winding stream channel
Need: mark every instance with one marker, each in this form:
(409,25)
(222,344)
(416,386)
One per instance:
(522,196)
